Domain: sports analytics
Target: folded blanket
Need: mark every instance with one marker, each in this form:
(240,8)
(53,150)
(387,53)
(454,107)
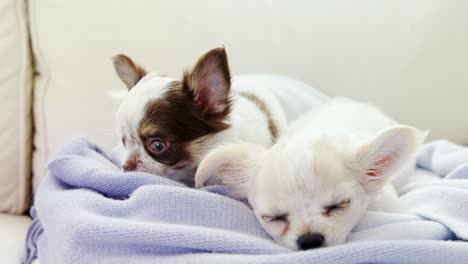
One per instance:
(87,211)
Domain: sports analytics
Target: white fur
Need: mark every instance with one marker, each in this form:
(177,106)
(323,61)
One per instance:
(323,159)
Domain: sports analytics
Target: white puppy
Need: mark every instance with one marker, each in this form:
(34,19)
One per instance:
(312,187)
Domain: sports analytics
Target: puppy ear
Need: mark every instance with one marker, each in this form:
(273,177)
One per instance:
(386,154)
(129,72)
(231,165)
(209,82)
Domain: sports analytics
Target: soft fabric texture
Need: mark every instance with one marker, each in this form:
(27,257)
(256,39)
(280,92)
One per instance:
(88,211)
(15,108)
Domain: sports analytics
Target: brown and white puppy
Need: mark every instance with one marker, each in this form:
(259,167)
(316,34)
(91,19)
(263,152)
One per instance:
(167,125)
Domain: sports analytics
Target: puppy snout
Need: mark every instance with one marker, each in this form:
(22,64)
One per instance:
(130,165)
(310,240)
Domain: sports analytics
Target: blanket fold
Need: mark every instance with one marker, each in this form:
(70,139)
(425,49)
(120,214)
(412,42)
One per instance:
(88,211)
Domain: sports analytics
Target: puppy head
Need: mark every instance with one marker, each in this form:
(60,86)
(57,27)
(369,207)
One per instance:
(164,123)
(310,192)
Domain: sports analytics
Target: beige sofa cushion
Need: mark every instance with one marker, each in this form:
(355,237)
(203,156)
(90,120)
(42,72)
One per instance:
(15,107)
(392,53)
(13,230)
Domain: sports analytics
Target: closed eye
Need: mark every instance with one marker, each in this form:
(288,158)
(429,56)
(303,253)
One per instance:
(275,218)
(328,210)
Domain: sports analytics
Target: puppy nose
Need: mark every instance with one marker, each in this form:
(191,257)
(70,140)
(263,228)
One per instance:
(310,240)
(130,165)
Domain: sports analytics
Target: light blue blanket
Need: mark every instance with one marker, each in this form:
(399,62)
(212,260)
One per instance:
(87,211)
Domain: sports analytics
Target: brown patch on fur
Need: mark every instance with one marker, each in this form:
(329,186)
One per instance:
(264,108)
(177,119)
(326,214)
(129,72)
(285,229)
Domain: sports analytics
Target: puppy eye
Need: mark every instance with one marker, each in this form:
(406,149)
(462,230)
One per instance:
(157,146)
(275,218)
(328,210)
(123,141)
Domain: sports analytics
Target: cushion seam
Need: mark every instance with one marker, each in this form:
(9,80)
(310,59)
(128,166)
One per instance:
(24,103)
(39,94)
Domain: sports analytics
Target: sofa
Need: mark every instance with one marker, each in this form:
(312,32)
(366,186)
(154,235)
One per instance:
(56,77)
